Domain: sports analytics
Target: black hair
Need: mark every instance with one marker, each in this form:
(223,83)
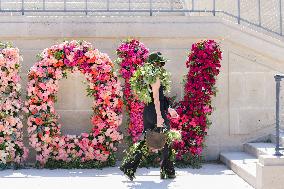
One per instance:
(156,59)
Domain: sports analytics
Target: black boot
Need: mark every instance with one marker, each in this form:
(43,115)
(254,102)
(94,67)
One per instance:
(167,166)
(168,170)
(132,161)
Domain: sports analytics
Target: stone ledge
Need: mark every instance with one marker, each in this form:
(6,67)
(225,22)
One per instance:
(269,172)
(270,160)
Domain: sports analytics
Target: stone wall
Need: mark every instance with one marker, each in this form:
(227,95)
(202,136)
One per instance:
(245,101)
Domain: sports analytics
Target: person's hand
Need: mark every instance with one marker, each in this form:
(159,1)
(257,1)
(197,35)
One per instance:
(142,137)
(173,112)
(160,121)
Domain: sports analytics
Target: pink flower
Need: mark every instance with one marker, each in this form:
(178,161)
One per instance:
(11,106)
(43,86)
(132,54)
(85,135)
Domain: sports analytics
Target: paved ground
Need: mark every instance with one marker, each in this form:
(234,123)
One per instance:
(211,176)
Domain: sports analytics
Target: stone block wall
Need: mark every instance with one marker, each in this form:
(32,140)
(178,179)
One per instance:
(245,102)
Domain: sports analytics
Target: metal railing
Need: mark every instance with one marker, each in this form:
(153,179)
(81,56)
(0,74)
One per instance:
(278,79)
(264,14)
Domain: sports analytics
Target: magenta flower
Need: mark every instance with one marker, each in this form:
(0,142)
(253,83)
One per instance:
(204,65)
(132,54)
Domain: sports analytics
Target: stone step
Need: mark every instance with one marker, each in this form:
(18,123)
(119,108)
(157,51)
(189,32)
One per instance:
(242,163)
(259,148)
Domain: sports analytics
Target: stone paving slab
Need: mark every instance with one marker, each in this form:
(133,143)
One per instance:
(211,175)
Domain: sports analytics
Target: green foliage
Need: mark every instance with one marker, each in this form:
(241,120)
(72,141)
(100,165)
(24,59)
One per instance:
(2,145)
(152,160)
(90,92)
(189,160)
(58,55)
(4,45)
(3,166)
(13,165)
(39,57)
(173,135)
(128,140)
(77,164)
(144,77)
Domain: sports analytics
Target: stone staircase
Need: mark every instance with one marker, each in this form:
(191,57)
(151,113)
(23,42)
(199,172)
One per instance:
(244,163)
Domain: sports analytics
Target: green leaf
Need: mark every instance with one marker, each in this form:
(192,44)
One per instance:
(58,55)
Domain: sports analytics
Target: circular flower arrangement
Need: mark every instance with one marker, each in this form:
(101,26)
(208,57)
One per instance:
(94,149)
(204,66)
(12,150)
(132,54)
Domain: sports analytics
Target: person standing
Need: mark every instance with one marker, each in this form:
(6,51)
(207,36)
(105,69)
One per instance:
(154,118)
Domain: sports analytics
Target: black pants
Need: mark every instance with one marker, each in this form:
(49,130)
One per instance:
(150,123)
(130,166)
(133,160)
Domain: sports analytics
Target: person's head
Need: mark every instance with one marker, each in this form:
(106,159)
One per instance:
(156,59)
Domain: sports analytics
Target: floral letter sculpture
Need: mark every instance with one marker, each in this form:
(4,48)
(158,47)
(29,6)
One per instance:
(94,149)
(132,54)
(204,66)
(12,150)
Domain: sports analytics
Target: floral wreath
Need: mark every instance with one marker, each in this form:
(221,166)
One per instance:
(132,54)
(12,150)
(94,149)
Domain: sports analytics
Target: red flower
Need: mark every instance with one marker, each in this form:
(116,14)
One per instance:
(38,121)
(203,63)
(192,123)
